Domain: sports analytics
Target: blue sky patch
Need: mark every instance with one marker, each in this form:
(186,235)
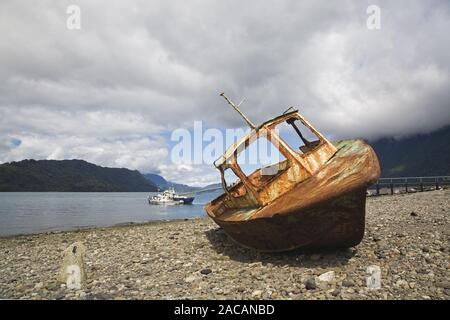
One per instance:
(15,142)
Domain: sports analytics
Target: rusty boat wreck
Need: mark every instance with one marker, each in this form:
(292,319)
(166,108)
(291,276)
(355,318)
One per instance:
(314,197)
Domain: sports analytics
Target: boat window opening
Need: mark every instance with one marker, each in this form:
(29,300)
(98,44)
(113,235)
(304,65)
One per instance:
(231,179)
(299,137)
(261,161)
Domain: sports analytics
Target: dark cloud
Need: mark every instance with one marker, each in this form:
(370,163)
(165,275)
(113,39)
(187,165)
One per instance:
(139,68)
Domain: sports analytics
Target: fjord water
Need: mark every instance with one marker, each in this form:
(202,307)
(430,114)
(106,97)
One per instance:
(34,212)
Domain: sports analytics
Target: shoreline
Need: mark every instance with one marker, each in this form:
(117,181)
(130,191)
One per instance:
(406,235)
(90,228)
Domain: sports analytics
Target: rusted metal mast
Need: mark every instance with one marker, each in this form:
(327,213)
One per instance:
(251,125)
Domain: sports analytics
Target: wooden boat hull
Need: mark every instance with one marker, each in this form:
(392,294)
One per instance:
(335,223)
(326,210)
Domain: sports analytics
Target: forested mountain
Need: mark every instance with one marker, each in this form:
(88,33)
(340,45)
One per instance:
(69,175)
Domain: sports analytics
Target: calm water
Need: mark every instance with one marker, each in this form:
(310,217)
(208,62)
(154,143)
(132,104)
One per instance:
(32,212)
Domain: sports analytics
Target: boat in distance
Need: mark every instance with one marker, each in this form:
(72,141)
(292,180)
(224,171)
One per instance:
(169,197)
(314,198)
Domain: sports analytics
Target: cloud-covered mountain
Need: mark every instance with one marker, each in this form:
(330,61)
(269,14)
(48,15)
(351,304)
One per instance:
(418,155)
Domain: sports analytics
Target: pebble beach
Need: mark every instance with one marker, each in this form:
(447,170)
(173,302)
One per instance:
(407,237)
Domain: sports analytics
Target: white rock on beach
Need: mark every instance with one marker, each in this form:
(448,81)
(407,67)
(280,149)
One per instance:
(190,279)
(327,276)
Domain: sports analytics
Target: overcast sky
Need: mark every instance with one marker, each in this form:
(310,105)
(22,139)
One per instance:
(112,91)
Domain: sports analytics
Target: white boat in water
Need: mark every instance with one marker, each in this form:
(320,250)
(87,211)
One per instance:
(170,197)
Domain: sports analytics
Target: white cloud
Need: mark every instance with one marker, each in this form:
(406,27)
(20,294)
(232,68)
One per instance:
(134,153)
(193,175)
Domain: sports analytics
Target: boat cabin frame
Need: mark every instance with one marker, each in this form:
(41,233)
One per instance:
(258,189)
